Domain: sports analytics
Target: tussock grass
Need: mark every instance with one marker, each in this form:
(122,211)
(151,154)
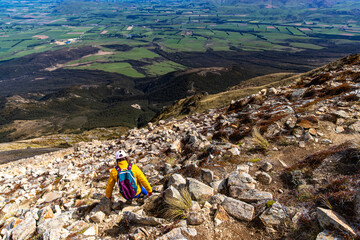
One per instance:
(178,208)
(259,139)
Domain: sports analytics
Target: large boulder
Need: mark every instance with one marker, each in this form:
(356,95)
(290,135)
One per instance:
(241,180)
(138,219)
(172,192)
(198,190)
(24,230)
(196,218)
(273,216)
(238,209)
(330,219)
(104,206)
(252,195)
(176,180)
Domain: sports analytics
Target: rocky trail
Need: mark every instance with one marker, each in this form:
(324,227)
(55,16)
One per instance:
(280,164)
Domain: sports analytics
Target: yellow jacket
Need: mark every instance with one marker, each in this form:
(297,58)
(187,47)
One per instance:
(139,176)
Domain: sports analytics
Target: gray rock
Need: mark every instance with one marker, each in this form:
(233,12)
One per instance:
(330,219)
(297,94)
(217,199)
(267,166)
(196,218)
(263,177)
(51,196)
(327,235)
(355,126)
(273,216)
(242,180)
(252,195)
(238,209)
(219,186)
(45,213)
(172,192)
(175,180)
(357,206)
(207,175)
(242,168)
(180,233)
(24,230)
(97,217)
(198,190)
(135,218)
(341,114)
(104,205)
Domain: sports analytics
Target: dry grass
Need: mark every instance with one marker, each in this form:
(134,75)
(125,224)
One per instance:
(178,208)
(259,139)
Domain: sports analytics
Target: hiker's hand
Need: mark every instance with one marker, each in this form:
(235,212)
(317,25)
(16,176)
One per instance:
(150,194)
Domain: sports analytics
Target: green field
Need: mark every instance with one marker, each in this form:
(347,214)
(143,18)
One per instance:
(172,27)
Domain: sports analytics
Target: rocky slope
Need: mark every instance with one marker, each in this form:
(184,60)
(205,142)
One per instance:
(280,164)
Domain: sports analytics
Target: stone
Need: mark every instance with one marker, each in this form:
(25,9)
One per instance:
(53,223)
(263,177)
(252,195)
(217,199)
(196,218)
(104,205)
(273,216)
(297,94)
(97,217)
(242,168)
(176,146)
(357,206)
(235,151)
(339,129)
(355,126)
(330,219)
(180,233)
(219,186)
(51,196)
(135,218)
(91,231)
(176,180)
(45,213)
(207,175)
(150,126)
(221,215)
(238,209)
(327,235)
(302,144)
(195,206)
(267,166)
(242,180)
(172,192)
(198,190)
(24,230)
(326,141)
(271,91)
(341,114)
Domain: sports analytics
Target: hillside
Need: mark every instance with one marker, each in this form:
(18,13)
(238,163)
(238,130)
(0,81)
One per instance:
(282,163)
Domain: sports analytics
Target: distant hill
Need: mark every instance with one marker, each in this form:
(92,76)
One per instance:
(280,3)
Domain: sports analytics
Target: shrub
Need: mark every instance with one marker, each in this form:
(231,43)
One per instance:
(178,208)
(259,139)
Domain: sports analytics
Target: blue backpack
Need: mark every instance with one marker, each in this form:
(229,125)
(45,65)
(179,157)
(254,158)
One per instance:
(126,182)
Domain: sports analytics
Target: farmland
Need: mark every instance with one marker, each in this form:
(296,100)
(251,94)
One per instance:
(35,26)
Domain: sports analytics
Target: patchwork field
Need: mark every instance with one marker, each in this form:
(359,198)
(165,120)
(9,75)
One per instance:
(37,26)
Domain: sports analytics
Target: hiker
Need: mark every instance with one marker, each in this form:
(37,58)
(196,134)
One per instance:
(141,185)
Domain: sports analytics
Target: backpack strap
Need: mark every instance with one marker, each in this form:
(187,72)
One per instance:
(118,169)
(130,166)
